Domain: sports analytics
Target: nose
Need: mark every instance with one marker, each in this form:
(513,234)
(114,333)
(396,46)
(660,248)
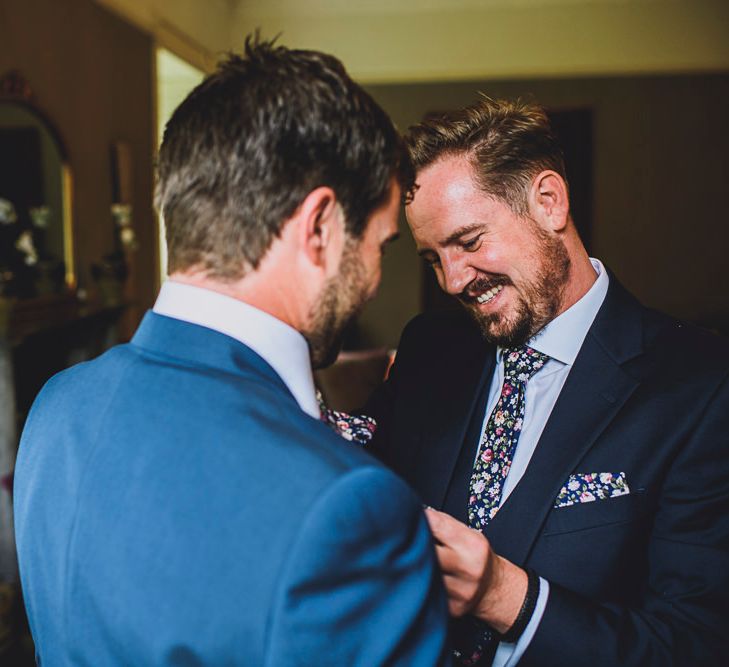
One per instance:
(457,274)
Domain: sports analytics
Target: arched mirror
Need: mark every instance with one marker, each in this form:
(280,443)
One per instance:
(36,253)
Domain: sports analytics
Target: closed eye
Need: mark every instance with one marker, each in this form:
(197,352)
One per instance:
(472,245)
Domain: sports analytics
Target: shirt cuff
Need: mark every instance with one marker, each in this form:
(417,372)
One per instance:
(508,655)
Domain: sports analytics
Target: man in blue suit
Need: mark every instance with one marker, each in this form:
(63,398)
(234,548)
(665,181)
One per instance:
(580,436)
(178,501)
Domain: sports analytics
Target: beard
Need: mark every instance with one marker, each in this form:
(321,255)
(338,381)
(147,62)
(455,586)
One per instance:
(342,299)
(538,301)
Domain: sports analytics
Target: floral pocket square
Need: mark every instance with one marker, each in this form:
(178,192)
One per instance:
(355,428)
(586,487)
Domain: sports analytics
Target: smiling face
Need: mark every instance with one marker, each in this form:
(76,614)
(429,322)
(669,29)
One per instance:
(507,271)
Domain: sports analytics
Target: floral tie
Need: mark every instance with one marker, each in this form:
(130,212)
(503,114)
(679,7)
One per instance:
(475,642)
(501,436)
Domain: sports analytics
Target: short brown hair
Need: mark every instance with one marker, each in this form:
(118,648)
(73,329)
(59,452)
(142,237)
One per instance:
(507,142)
(246,147)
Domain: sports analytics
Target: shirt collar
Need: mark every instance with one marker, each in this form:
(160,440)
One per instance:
(284,348)
(562,338)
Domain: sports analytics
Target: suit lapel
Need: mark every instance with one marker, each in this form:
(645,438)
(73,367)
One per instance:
(594,392)
(448,420)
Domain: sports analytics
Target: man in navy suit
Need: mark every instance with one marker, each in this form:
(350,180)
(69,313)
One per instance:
(179,501)
(583,436)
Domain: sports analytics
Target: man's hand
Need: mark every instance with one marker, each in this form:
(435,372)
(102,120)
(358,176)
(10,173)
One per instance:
(477,580)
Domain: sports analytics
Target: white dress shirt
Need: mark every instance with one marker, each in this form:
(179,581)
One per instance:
(282,346)
(561,340)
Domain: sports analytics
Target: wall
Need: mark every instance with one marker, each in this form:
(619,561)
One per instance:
(430,40)
(196,31)
(91,73)
(661,168)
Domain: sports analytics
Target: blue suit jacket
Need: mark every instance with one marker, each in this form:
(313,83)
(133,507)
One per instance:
(174,506)
(639,579)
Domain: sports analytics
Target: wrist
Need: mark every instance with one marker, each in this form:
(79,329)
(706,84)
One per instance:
(526,611)
(504,596)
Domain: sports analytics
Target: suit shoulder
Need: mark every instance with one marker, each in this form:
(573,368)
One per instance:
(688,346)
(451,327)
(79,380)
(444,319)
(687,337)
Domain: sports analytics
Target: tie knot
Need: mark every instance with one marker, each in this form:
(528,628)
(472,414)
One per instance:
(521,363)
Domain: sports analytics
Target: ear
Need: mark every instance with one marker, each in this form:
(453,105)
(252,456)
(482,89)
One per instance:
(320,225)
(549,200)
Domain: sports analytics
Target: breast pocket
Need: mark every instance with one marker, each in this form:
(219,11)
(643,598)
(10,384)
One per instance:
(596,548)
(584,516)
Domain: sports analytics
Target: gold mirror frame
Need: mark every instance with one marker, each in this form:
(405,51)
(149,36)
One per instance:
(16,90)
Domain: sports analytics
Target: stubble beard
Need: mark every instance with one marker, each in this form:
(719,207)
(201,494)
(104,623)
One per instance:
(342,299)
(538,301)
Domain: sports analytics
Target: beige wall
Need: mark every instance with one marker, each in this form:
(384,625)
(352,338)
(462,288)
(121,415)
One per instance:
(427,40)
(195,30)
(409,40)
(92,74)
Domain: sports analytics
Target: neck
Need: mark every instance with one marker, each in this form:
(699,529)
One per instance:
(582,275)
(286,282)
(582,272)
(254,289)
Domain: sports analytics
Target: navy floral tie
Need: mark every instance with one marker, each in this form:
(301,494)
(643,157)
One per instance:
(501,436)
(474,642)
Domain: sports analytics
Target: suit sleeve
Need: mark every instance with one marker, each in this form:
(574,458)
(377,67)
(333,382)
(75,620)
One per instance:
(683,617)
(360,586)
(381,405)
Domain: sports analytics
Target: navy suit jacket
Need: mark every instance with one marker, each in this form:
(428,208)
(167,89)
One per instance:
(175,506)
(640,579)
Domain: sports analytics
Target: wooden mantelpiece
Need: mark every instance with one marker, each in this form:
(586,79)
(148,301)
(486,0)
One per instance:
(45,334)
(20,318)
